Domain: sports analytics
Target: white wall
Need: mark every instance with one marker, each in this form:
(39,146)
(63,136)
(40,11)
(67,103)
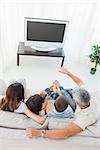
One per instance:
(82,33)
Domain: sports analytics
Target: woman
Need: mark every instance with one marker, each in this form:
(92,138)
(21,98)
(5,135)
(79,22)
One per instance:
(14,102)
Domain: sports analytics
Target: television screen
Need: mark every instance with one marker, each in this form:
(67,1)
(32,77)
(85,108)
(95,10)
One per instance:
(42,31)
(45,34)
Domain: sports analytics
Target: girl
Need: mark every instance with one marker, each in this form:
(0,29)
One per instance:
(14,102)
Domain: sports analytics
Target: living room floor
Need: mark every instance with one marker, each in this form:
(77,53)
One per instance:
(40,72)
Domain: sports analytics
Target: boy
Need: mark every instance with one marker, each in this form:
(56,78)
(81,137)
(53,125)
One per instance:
(57,108)
(56,90)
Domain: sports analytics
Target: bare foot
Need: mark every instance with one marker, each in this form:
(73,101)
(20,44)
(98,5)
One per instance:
(56,82)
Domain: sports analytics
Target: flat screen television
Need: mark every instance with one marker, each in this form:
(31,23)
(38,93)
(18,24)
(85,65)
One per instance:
(45,34)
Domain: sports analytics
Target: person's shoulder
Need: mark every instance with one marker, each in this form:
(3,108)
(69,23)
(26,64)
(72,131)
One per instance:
(21,109)
(87,116)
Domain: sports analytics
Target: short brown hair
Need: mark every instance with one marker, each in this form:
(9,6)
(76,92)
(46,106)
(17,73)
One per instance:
(61,104)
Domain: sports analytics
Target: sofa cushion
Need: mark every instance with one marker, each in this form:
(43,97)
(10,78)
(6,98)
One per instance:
(58,123)
(19,121)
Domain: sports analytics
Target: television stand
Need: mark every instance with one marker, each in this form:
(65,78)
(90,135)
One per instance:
(26,50)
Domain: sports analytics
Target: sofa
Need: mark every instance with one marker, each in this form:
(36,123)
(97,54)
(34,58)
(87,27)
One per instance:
(13,134)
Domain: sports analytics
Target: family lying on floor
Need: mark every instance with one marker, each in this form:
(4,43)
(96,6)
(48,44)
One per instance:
(55,101)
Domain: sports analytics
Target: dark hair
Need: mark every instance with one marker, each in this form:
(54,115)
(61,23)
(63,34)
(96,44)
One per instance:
(14,94)
(34,103)
(60,104)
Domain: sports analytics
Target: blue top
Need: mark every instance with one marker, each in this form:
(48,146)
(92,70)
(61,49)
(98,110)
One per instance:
(68,113)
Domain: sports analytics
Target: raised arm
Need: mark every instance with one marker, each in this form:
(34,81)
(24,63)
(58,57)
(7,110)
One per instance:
(76,79)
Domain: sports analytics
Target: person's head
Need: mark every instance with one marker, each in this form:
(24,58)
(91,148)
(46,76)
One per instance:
(14,95)
(81,97)
(34,103)
(60,104)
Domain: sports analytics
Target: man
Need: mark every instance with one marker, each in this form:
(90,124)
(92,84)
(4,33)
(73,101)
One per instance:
(86,114)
